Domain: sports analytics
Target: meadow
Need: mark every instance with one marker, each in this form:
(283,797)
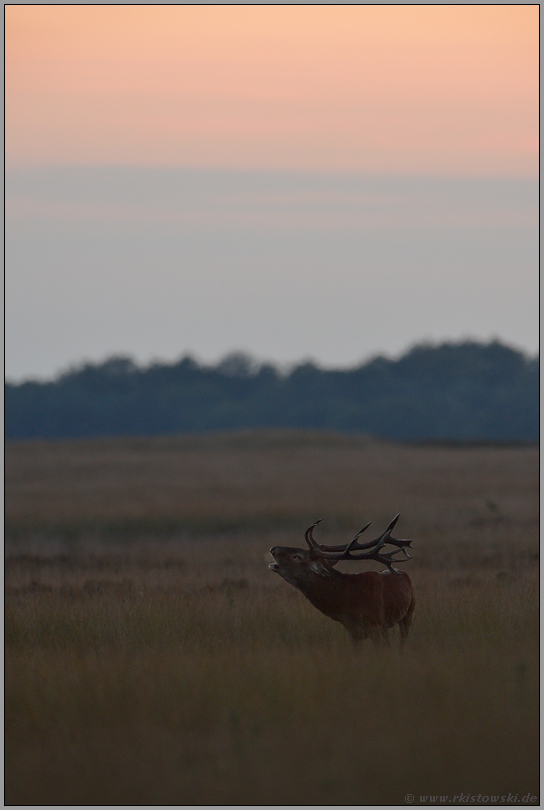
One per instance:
(153,658)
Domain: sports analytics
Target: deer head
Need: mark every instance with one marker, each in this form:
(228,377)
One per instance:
(294,563)
(297,566)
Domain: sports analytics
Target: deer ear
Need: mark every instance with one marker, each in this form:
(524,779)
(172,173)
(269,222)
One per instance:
(319,569)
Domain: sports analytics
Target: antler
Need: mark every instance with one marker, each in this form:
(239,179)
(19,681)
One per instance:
(308,535)
(343,552)
(344,547)
(317,546)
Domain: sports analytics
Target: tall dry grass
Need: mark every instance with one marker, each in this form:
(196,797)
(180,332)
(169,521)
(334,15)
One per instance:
(262,480)
(175,668)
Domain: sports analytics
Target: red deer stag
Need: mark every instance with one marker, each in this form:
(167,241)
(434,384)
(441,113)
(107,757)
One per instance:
(367,604)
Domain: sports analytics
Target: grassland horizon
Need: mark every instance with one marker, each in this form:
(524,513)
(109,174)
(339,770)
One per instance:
(152,658)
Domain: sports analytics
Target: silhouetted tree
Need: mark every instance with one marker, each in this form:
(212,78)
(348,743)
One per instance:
(457,391)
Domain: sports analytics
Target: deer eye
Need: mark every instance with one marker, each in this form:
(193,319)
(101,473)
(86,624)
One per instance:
(297,556)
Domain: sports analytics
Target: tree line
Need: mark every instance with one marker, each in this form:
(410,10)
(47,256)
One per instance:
(463,391)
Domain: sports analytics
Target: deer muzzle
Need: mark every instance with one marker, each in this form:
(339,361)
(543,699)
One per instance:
(273,565)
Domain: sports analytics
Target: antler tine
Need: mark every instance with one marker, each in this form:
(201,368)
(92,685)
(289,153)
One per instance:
(392,568)
(349,546)
(382,539)
(362,530)
(308,535)
(386,538)
(400,543)
(392,524)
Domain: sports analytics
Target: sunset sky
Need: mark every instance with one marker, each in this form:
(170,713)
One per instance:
(447,89)
(333,93)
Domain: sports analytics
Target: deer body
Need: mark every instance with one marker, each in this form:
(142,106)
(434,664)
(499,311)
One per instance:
(366,604)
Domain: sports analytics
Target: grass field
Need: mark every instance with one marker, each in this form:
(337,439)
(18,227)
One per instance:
(152,657)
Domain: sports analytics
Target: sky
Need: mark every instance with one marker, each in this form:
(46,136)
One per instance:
(326,182)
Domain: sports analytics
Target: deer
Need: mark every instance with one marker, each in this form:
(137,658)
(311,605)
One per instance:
(367,604)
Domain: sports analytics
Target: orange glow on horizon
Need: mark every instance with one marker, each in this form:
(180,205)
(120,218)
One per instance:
(433,89)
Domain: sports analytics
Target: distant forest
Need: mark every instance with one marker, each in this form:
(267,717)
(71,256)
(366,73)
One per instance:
(455,391)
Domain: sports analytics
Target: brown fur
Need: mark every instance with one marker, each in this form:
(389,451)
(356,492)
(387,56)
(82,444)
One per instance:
(367,604)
